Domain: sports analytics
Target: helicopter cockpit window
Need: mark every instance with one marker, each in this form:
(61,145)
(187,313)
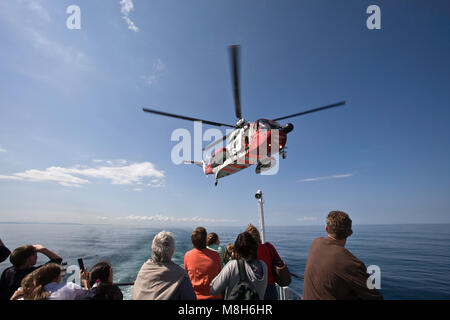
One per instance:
(274,124)
(268,124)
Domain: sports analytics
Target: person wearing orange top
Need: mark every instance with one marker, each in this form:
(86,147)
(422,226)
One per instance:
(202,265)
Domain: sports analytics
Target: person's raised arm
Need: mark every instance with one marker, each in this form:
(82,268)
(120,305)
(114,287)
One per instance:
(84,278)
(50,254)
(4,251)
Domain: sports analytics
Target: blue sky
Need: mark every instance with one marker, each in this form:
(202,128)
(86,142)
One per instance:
(75,145)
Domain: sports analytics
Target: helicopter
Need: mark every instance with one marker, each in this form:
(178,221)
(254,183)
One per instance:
(250,142)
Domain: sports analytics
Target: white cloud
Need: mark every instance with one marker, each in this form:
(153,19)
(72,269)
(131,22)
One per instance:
(161,218)
(130,24)
(2,150)
(158,68)
(54,174)
(56,50)
(150,80)
(111,162)
(30,19)
(126,7)
(336,176)
(158,65)
(133,174)
(56,61)
(38,9)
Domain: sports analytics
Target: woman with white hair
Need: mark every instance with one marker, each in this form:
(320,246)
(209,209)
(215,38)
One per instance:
(159,277)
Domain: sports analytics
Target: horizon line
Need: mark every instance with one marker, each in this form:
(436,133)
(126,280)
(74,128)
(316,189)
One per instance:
(212,225)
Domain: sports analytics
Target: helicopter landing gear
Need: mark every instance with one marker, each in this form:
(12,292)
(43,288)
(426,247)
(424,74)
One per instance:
(265,165)
(283,154)
(258,167)
(215,183)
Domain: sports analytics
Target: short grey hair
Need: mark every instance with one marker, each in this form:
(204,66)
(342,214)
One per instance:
(163,247)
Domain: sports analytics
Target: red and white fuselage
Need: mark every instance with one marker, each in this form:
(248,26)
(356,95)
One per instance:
(254,143)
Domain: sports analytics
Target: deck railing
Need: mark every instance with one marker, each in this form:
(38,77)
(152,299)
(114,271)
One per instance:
(284,293)
(287,293)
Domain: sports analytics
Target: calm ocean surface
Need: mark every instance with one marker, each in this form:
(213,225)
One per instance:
(414,259)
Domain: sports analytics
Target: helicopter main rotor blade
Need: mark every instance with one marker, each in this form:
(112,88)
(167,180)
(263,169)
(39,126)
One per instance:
(217,141)
(187,118)
(312,110)
(234,54)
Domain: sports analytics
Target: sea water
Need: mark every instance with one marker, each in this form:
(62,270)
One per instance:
(414,260)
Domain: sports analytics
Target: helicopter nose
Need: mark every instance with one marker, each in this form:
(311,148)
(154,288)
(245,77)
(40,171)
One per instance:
(279,138)
(287,128)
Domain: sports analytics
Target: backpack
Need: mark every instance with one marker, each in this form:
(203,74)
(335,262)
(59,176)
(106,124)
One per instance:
(243,290)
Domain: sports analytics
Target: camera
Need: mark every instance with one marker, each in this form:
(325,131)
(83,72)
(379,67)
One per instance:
(81,264)
(63,269)
(258,194)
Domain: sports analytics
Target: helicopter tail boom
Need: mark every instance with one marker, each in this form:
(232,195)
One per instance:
(206,168)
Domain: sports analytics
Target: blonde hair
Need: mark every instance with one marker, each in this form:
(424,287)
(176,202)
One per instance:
(229,252)
(44,275)
(254,232)
(28,284)
(339,224)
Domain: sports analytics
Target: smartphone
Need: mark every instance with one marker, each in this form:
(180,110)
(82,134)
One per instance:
(81,264)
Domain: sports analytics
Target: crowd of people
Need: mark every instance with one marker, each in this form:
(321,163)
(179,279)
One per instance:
(245,269)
